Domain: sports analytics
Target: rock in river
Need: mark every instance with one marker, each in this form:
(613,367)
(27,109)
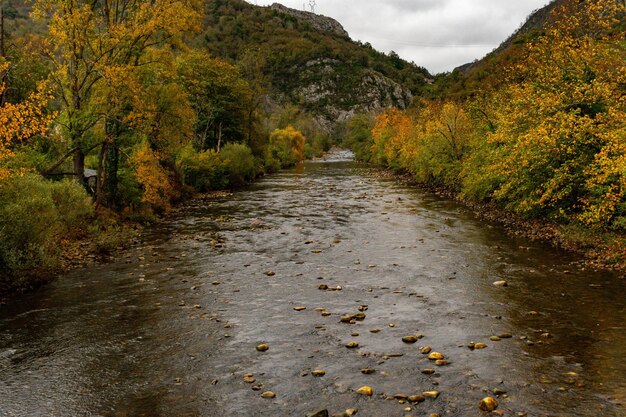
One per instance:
(501,283)
(409,339)
(268,394)
(436,356)
(318,372)
(488,404)
(431,394)
(417,398)
(365,390)
(262,347)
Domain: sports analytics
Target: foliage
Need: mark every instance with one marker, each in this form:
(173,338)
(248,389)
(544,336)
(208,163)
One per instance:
(30,242)
(157,187)
(549,141)
(285,148)
(219,97)
(358,136)
(21,121)
(203,170)
(241,164)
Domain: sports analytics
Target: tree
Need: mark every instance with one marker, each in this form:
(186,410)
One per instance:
(219,96)
(285,148)
(21,121)
(560,120)
(87,38)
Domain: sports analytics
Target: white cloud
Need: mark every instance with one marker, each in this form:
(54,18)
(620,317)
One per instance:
(437,34)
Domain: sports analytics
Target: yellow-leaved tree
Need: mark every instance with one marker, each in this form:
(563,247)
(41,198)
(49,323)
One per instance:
(21,121)
(89,41)
(285,148)
(559,145)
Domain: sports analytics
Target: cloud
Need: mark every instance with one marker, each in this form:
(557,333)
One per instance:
(437,34)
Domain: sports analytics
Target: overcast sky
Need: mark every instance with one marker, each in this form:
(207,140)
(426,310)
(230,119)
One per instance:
(437,34)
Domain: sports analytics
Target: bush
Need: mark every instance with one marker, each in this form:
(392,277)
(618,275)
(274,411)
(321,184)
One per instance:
(240,163)
(203,171)
(73,205)
(35,215)
(285,148)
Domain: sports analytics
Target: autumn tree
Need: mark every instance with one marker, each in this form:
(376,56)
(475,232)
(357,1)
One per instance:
(285,148)
(21,121)
(87,39)
(561,119)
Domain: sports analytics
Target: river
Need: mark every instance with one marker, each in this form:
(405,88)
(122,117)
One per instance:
(170,328)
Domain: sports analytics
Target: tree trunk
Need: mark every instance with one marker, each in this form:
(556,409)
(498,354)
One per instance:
(79,167)
(219,138)
(108,177)
(112,166)
(101,178)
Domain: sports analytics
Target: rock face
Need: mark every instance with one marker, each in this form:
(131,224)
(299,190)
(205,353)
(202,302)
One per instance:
(316,21)
(335,91)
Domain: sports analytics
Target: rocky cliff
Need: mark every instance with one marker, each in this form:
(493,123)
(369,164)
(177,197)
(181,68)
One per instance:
(323,87)
(309,61)
(316,21)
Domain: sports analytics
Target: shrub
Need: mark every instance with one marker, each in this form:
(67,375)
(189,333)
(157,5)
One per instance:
(240,163)
(35,215)
(73,205)
(203,171)
(285,148)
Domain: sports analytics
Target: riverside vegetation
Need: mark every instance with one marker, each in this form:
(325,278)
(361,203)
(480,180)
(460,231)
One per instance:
(546,141)
(125,98)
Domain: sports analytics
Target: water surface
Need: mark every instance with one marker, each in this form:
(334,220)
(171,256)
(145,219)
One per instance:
(170,328)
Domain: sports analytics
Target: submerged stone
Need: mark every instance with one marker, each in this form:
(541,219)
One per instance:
(365,390)
(488,404)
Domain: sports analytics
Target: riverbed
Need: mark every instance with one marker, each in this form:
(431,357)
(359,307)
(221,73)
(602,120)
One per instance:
(171,327)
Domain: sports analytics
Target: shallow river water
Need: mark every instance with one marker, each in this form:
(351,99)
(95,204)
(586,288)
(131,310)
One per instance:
(170,327)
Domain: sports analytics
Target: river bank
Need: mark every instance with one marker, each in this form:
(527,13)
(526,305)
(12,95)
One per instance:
(596,249)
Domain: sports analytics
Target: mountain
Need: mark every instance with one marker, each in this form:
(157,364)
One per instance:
(310,61)
(487,72)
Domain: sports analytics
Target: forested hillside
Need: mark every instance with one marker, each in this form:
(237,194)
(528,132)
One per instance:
(322,71)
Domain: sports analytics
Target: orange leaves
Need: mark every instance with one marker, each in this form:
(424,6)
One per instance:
(21,121)
(157,188)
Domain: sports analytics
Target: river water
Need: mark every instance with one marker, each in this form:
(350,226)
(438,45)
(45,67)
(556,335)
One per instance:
(170,327)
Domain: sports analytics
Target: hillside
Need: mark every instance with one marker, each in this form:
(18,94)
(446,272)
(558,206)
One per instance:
(472,77)
(309,60)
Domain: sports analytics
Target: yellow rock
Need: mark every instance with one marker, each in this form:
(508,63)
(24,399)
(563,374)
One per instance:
(299,308)
(488,404)
(318,372)
(435,356)
(262,347)
(365,390)
(268,394)
(480,346)
(431,394)
(352,345)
